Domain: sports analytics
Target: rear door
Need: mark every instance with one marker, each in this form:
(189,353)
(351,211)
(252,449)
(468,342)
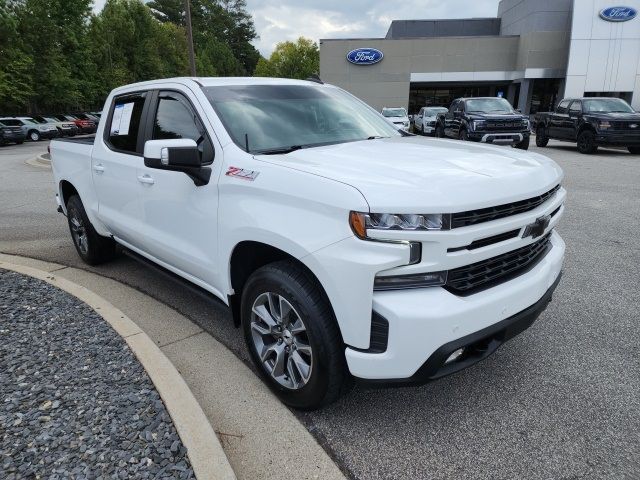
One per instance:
(116,159)
(179,218)
(558,119)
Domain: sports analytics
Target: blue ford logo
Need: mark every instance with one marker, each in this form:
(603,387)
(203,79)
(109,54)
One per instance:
(365,56)
(618,14)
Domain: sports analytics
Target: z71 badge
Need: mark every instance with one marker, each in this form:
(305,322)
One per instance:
(250,175)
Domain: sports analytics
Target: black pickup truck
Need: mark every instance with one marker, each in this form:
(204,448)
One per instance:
(590,122)
(484,119)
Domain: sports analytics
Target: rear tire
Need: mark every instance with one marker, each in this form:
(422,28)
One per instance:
(587,142)
(299,354)
(523,145)
(634,150)
(542,139)
(92,247)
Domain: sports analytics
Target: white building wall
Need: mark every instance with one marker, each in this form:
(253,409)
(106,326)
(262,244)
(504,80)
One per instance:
(604,56)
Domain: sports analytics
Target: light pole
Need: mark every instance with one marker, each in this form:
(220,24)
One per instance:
(192,58)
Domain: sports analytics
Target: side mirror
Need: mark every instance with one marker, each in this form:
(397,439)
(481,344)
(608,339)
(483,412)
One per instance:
(180,155)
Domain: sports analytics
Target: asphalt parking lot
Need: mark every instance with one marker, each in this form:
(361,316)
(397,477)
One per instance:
(559,401)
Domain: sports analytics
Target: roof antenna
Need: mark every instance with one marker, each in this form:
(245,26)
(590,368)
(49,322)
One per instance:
(246,142)
(314,77)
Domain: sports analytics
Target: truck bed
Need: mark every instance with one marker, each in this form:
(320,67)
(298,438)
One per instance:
(84,139)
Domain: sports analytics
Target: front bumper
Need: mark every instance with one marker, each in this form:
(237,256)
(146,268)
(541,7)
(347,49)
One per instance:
(424,324)
(618,139)
(49,133)
(499,138)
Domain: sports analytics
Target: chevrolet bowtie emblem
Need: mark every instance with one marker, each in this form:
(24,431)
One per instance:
(537,228)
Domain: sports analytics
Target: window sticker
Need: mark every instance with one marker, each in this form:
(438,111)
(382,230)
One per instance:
(121,119)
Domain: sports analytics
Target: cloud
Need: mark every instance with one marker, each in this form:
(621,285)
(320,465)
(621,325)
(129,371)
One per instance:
(281,20)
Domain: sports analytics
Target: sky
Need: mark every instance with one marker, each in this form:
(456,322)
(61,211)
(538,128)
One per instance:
(280,20)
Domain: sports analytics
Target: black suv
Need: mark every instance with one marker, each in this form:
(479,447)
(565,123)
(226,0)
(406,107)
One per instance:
(484,119)
(590,122)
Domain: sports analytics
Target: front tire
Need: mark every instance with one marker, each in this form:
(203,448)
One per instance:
(587,142)
(542,139)
(523,145)
(634,150)
(34,136)
(292,336)
(92,247)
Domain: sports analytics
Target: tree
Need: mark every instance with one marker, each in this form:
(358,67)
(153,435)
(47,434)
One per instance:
(291,60)
(215,23)
(16,81)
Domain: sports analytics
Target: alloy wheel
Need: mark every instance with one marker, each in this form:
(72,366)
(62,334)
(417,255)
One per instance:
(79,233)
(280,339)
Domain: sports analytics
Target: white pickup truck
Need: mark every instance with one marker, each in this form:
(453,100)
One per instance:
(343,247)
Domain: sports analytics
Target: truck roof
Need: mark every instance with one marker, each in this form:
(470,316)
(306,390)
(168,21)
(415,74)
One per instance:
(220,81)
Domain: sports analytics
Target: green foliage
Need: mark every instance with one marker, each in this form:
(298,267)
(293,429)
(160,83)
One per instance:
(291,60)
(56,55)
(221,27)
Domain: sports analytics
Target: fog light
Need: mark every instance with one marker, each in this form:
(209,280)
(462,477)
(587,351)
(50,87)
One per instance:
(454,356)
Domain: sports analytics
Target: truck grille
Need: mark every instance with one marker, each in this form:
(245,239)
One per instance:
(488,273)
(626,126)
(509,125)
(473,217)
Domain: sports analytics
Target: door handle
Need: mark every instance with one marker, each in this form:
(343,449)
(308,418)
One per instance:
(99,168)
(146,179)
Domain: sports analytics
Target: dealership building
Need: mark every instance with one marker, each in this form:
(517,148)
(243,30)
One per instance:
(534,53)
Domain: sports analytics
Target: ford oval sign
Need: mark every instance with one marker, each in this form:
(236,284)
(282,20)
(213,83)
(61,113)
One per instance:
(365,56)
(618,14)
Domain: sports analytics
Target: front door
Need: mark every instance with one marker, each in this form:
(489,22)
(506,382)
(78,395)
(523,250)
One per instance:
(179,218)
(115,160)
(558,119)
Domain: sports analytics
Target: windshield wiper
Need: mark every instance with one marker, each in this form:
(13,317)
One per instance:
(278,151)
(375,137)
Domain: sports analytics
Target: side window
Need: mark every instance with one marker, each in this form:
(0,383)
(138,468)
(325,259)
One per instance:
(563,106)
(576,107)
(175,118)
(454,106)
(421,113)
(460,107)
(124,122)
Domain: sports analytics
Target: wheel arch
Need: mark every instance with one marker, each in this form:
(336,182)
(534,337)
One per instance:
(67,190)
(248,256)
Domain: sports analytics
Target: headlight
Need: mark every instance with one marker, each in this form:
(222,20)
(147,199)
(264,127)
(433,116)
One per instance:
(361,222)
(478,124)
(525,123)
(415,280)
(604,125)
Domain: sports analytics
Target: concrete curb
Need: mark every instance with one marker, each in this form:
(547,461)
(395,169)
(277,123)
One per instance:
(205,452)
(41,161)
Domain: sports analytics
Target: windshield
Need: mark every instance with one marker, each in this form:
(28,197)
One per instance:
(394,112)
(488,105)
(432,112)
(264,118)
(606,105)
(49,119)
(29,120)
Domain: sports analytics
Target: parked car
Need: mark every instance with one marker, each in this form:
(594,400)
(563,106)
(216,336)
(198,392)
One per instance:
(484,119)
(37,130)
(11,134)
(87,116)
(65,129)
(590,122)
(84,125)
(32,130)
(425,120)
(352,251)
(397,117)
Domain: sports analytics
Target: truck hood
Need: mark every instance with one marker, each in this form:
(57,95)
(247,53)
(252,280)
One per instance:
(421,175)
(615,116)
(496,116)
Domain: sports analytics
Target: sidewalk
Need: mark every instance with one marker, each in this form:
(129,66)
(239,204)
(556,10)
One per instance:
(261,437)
